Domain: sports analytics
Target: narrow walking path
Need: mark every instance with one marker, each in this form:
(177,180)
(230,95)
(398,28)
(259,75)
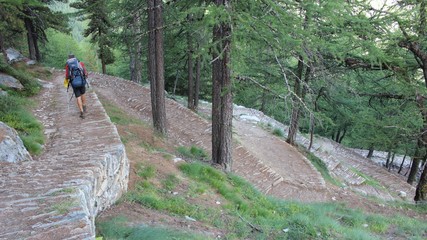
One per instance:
(83,170)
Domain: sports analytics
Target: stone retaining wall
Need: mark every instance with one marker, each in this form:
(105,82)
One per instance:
(83,170)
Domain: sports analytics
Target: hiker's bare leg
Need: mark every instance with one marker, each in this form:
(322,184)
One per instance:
(80,104)
(84,99)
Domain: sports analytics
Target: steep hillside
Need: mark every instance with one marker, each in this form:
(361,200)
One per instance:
(265,160)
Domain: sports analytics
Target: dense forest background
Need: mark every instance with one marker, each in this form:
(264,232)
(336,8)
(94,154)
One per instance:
(352,71)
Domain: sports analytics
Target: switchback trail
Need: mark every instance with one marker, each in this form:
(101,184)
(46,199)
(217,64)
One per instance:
(268,162)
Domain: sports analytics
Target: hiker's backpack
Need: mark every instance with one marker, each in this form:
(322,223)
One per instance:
(76,73)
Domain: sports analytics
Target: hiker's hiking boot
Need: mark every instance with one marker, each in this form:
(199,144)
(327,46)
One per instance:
(82,115)
(84,108)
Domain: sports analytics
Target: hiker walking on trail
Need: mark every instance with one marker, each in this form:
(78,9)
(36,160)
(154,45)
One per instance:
(75,75)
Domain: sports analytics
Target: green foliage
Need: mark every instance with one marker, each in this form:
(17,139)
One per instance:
(59,47)
(298,221)
(320,166)
(368,180)
(120,67)
(117,228)
(170,182)
(193,152)
(63,206)
(145,172)
(14,113)
(99,27)
(278,132)
(31,86)
(117,115)
(242,204)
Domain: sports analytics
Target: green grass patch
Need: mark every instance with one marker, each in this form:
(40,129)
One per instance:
(63,191)
(278,132)
(289,220)
(162,200)
(117,228)
(274,130)
(420,208)
(193,152)
(63,207)
(145,171)
(245,213)
(117,115)
(320,166)
(14,112)
(368,180)
(36,70)
(170,182)
(31,85)
(147,146)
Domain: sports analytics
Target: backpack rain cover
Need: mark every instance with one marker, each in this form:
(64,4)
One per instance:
(75,72)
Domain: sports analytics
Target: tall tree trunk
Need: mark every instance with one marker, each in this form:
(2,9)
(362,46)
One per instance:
(152,55)
(421,56)
(293,128)
(337,136)
(101,56)
(370,152)
(387,163)
(132,63)
(30,39)
(390,165)
(421,192)
(410,167)
(190,102)
(300,90)
(156,65)
(312,125)
(418,156)
(222,102)
(401,164)
(343,135)
(135,52)
(36,47)
(197,83)
(104,67)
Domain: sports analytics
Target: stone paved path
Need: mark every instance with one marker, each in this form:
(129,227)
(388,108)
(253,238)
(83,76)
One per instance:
(83,170)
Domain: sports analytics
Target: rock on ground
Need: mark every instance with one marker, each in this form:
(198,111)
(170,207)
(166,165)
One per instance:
(12,148)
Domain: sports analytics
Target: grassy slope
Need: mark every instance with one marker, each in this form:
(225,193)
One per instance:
(15,109)
(241,213)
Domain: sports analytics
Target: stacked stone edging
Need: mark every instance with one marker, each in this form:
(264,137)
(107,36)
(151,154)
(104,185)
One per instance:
(83,170)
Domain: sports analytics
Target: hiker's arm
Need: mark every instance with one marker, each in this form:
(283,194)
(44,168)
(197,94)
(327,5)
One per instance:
(66,72)
(84,69)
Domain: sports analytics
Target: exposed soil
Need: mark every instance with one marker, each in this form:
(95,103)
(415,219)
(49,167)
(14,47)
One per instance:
(267,161)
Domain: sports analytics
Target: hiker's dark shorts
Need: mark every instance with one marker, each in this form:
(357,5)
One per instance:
(78,91)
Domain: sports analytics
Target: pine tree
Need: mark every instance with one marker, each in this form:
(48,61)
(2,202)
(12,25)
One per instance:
(36,17)
(156,64)
(222,102)
(99,28)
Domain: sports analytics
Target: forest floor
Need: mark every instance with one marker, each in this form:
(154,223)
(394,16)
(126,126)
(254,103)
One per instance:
(267,161)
